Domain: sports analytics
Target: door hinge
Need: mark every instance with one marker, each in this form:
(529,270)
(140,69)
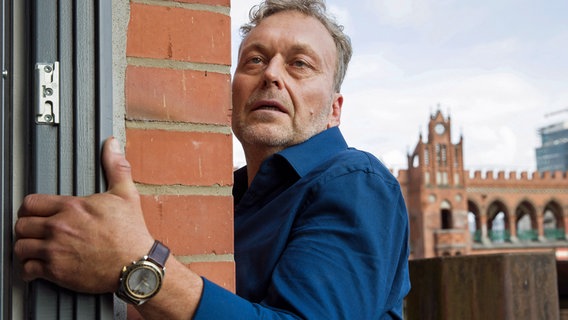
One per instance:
(47,95)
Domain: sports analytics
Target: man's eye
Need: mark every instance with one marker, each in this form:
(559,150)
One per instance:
(299,64)
(255,60)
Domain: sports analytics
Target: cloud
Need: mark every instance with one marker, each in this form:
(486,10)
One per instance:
(396,10)
(372,68)
(431,20)
(491,109)
(493,146)
(341,14)
(239,16)
(493,72)
(406,13)
(240,10)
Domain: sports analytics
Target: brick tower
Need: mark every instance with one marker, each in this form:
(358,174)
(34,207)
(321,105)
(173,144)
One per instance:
(436,193)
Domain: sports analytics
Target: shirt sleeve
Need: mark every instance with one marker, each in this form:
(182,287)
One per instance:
(221,304)
(346,258)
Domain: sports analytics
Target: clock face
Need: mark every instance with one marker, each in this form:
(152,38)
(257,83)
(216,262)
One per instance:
(143,282)
(439,128)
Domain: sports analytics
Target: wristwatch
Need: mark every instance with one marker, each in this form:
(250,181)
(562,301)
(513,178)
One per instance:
(142,279)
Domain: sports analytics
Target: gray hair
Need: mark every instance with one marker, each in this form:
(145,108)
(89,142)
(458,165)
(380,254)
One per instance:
(313,8)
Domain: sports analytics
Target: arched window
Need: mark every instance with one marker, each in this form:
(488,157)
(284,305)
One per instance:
(441,155)
(446,215)
(497,222)
(553,223)
(525,216)
(446,219)
(415,161)
(498,231)
(473,221)
(549,220)
(524,229)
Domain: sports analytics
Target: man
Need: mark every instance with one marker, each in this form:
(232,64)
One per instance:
(320,229)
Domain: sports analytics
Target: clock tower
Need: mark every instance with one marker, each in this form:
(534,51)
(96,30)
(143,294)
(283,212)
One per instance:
(436,194)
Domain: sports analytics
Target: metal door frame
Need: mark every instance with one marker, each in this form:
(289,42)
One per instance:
(6,159)
(64,158)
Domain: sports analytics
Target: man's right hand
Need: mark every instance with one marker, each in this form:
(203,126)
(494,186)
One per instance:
(81,243)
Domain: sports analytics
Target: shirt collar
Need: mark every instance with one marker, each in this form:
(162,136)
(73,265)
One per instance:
(307,155)
(302,157)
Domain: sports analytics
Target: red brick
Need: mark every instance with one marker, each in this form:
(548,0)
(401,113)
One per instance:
(221,273)
(160,157)
(178,95)
(178,34)
(191,224)
(224,3)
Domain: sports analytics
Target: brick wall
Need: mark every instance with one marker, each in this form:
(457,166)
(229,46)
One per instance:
(177,128)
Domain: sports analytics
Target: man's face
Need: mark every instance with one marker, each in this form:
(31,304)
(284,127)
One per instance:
(283,85)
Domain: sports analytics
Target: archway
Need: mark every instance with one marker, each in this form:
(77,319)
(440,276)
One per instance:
(526,223)
(553,223)
(474,221)
(498,229)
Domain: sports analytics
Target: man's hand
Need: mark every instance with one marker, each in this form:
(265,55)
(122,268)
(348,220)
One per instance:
(81,243)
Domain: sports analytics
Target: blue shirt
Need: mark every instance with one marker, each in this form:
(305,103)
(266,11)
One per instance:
(322,233)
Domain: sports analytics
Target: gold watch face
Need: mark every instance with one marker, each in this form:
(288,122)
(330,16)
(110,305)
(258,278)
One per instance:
(143,281)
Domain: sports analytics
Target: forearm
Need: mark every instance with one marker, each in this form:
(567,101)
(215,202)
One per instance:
(183,296)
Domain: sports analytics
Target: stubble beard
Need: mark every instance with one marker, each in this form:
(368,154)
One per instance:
(278,136)
(263,135)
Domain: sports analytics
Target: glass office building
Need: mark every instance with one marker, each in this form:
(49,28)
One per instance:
(553,153)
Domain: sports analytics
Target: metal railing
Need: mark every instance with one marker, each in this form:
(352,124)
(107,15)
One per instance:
(527,235)
(499,235)
(523,235)
(476,236)
(554,234)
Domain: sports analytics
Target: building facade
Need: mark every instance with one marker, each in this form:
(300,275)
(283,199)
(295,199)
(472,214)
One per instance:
(552,155)
(456,212)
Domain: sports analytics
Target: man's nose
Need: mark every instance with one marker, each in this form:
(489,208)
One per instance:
(273,74)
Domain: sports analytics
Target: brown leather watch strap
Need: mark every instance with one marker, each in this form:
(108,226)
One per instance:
(159,253)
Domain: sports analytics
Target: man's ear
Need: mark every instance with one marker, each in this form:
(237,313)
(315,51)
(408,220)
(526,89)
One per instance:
(335,115)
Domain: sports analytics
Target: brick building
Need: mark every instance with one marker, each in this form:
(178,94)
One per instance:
(456,212)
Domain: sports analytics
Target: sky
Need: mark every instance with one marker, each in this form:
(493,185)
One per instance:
(496,67)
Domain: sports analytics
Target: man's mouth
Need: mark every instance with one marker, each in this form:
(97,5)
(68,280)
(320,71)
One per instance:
(265,107)
(269,106)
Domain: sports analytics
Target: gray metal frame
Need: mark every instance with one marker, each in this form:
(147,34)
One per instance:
(64,158)
(5,159)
